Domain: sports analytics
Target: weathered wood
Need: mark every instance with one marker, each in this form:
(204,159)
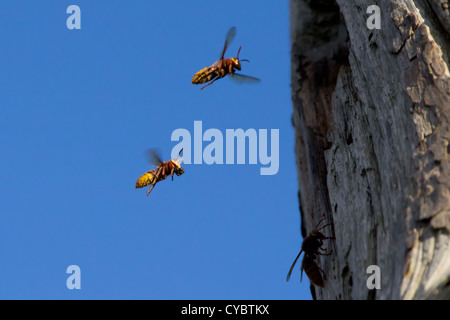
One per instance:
(371,117)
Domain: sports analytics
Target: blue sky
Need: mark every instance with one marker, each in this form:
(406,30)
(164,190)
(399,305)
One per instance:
(79,109)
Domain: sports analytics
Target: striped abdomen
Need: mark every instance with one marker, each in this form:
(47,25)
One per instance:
(218,70)
(312,270)
(146,179)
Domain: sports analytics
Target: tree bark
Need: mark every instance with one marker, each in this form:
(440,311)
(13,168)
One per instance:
(371,112)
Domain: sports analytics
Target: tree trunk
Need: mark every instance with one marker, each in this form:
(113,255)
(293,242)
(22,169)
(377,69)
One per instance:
(371,117)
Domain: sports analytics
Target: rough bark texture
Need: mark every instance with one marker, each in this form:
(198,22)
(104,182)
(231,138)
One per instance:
(371,117)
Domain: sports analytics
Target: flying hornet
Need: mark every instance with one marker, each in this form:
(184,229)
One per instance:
(162,171)
(223,67)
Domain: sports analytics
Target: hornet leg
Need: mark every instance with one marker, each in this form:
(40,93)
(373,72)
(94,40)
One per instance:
(210,83)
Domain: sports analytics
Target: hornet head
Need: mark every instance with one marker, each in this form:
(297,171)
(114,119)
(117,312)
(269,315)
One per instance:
(236,62)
